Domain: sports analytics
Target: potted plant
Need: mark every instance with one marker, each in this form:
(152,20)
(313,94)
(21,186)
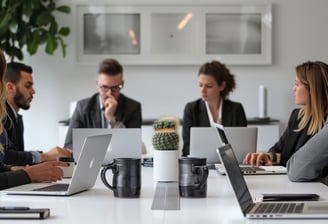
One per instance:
(30,24)
(165,142)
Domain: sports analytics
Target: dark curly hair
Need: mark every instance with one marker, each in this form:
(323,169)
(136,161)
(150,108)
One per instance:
(221,74)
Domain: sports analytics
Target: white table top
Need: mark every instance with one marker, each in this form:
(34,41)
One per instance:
(98,205)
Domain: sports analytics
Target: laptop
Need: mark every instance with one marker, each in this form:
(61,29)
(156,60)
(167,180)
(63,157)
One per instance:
(266,210)
(84,176)
(245,169)
(125,143)
(204,141)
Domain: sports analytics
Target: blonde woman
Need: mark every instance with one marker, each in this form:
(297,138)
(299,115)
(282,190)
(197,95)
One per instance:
(14,176)
(311,93)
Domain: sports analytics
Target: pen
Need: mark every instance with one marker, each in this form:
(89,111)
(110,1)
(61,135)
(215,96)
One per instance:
(14,208)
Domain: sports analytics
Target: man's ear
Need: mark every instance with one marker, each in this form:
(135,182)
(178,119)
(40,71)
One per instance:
(10,87)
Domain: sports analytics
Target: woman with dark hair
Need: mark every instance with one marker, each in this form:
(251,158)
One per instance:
(215,84)
(311,93)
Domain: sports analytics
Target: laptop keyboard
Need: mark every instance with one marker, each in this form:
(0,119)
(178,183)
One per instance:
(251,168)
(54,187)
(280,208)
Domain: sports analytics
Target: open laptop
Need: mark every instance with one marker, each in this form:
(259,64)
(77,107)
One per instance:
(204,141)
(84,176)
(245,169)
(125,143)
(266,210)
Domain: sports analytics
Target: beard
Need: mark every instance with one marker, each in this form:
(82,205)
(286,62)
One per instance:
(21,101)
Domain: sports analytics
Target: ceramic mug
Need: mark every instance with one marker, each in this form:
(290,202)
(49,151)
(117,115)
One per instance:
(193,173)
(126,179)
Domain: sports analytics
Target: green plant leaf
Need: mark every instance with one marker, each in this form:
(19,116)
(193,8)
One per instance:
(52,6)
(63,46)
(51,44)
(30,24)
(33,45)
(17,53)
(44,18)
(64,9)
(4,21)
(53,28)
(27,11)
(64,31)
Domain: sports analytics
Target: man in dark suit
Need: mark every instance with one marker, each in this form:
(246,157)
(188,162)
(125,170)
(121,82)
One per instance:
(108,108)
(19,93)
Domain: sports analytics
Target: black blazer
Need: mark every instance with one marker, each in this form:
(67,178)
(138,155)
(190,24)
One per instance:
(13,141)
(14,132)
(290,141)
(12,178)
(87,114)
(195,115)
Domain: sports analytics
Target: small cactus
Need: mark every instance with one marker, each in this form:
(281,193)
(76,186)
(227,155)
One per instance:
(165,136)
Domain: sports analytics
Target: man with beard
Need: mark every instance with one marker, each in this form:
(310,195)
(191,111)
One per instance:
(108,108)
(19,94)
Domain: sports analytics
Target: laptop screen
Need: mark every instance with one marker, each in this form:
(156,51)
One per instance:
(222,135)
(235,176)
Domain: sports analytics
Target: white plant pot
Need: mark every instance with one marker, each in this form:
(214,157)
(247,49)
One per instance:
(166,165)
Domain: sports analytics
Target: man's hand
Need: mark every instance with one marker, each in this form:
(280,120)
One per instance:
(56,152)
(110,105)
(45,172)
(256,159)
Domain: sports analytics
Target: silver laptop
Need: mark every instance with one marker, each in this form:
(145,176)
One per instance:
(245,169)
(204,141)
(266,210)
(125,143)
(84,176)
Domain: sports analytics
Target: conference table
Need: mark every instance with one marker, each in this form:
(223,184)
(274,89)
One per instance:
(98,205)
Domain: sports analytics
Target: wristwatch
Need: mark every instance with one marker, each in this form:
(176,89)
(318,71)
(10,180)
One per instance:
(113,121)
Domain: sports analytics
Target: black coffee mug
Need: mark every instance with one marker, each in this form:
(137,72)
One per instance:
(126,181)
(193,174)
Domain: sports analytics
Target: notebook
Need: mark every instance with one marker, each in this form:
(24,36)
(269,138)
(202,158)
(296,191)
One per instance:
(204,141)
(125,143)
(84,176)
(266,210)
(245,169)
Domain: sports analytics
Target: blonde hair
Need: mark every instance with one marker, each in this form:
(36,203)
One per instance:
(3,66)
(314,76)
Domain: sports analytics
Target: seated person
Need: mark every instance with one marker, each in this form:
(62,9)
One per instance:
(19,93)
(311,92)
(215,84)
(14,176)
(310,162)
(108,108)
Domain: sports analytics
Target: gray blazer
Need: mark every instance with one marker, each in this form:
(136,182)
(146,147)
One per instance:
(310,162)
(87,114)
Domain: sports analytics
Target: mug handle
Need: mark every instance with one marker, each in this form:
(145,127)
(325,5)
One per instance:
(104,170)
(203,173)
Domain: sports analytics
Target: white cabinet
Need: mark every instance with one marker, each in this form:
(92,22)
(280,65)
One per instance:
(176,34)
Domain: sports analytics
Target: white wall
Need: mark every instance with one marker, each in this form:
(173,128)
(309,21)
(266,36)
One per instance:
(299,34)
